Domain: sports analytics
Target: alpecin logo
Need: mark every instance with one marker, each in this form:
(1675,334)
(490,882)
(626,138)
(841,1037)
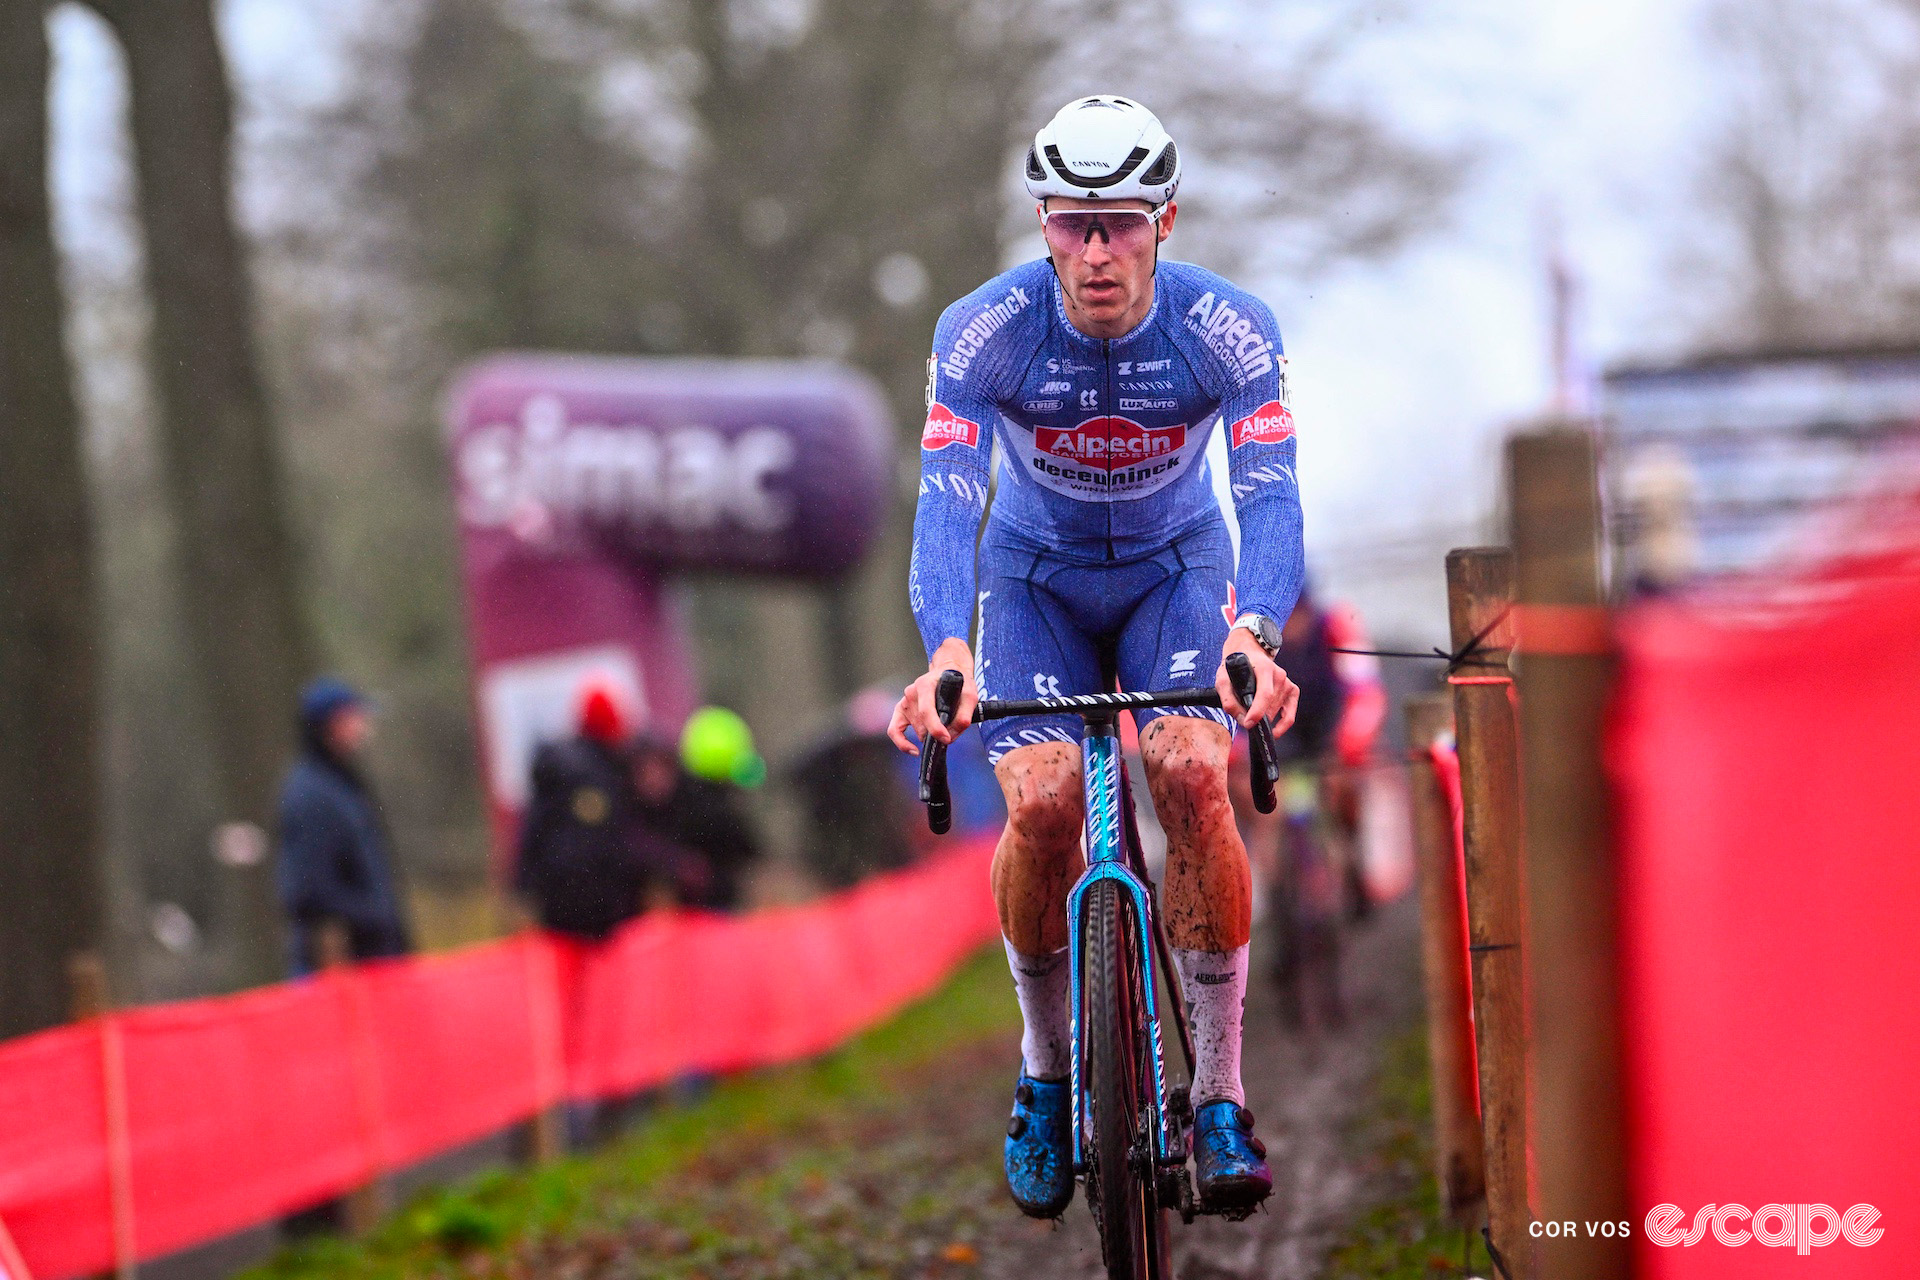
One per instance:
(1800,1227)
(1271,423)
(1107,443)
(944,427)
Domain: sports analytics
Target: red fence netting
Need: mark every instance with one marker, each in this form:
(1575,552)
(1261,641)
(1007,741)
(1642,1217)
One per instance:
(1765,758)
(229,1112)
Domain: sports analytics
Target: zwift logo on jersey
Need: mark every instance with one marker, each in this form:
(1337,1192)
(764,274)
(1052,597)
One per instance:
(1232,336)
(1109,443)
(1271,423)
(979,329)
(944,427)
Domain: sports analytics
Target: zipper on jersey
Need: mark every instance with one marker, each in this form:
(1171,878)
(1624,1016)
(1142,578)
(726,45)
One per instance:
(1106,413)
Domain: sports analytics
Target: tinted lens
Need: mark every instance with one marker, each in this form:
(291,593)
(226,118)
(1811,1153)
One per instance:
(1124,230)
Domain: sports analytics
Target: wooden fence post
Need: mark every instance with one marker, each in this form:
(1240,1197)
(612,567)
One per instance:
(361,1208)
(1443,948)
(1566,668)
(1479,597)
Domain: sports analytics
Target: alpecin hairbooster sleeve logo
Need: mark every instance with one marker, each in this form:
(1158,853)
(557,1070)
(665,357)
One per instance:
(944,427)
(1271,423)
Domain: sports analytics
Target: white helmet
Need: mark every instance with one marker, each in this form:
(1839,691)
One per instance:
(1104,148)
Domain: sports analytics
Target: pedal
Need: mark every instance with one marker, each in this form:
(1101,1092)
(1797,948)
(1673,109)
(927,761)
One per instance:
(1175,1191)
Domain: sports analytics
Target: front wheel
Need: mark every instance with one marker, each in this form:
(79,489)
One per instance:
(1119,1084)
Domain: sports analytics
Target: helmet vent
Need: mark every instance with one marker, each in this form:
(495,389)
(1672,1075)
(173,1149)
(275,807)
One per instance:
(1034,171)
(1162,169)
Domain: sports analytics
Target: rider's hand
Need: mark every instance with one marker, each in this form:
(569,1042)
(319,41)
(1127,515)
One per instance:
(1274,695)
(915,708)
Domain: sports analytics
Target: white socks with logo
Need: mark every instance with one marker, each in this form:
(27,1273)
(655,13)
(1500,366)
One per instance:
(1215,985)
(1042,984)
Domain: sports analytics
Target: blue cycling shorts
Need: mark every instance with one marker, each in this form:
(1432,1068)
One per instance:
(1046,622)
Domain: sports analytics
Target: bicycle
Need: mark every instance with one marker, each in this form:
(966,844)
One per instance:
(1132,1134)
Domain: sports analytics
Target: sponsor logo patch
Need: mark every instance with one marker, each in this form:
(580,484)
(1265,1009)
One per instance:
(1231,336)
(944,427)
(983,326)
(1157,402)
(1055,387)
(1109,443)
(1041,406)
(1269,424)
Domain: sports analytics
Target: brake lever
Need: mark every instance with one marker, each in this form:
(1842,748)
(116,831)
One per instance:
(933,756)
(1263,761)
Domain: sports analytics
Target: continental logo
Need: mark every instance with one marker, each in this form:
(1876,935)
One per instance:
(1109,443)
(979,329)
(1232,336)
(1271,423)
(944,427)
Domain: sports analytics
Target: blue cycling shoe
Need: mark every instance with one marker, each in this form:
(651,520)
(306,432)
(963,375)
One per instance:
(1039,1151)
(1230,1164)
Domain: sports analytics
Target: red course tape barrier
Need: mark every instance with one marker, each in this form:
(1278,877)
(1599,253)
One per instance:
(235,1111)
(1766,773)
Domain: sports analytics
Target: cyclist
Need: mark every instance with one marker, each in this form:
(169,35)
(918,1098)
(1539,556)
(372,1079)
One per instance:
(1095,377)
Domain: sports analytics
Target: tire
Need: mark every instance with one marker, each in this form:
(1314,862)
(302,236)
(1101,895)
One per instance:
(1119,1070)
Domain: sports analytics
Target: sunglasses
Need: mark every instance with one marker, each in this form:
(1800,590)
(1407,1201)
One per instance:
(1125,231)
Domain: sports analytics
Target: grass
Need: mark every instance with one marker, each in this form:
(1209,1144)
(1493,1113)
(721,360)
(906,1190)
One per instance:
(729,1185)
(1409,1236)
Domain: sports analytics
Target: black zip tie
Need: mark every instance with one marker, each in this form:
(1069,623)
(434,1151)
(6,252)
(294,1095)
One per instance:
(1456,660)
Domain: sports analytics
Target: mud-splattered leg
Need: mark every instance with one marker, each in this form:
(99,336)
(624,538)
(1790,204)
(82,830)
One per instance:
(1039,855)
(1209,892)
(1033,871)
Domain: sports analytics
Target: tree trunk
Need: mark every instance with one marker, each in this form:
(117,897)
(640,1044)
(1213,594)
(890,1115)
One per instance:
(245,627)
(50,873)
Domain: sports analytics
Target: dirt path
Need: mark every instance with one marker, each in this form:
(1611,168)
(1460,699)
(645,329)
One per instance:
(883,1163)
(1308,1092)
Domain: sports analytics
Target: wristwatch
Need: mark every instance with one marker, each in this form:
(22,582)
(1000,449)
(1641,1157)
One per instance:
(1266,632)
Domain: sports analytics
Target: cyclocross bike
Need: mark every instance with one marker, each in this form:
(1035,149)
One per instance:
(1132,1134)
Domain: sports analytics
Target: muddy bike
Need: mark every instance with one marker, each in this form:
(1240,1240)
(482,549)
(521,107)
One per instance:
(1132,1134)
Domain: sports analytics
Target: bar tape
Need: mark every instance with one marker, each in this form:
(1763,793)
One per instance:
(1563,630)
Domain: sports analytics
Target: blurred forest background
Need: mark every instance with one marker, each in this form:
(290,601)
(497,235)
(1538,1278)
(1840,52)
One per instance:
(233,475)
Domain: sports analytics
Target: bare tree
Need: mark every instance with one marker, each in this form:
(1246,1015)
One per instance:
(245,625)
(50,875)
(1809,181)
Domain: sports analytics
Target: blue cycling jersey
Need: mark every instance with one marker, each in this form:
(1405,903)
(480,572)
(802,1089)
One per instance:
(1100,443)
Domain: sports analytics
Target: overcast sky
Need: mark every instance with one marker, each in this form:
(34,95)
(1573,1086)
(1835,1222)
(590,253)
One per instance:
(1406,372)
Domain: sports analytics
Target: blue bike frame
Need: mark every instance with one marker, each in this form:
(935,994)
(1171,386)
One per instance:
(1107,860)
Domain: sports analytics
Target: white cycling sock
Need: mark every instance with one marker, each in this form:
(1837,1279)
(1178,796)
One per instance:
(1041,983)
(1215,985)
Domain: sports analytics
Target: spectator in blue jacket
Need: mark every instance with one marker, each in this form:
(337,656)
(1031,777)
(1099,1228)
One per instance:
(336,861)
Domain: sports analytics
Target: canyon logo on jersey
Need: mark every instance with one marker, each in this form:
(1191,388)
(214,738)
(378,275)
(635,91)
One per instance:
(1271,423)
(944,427)
(1108,456)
